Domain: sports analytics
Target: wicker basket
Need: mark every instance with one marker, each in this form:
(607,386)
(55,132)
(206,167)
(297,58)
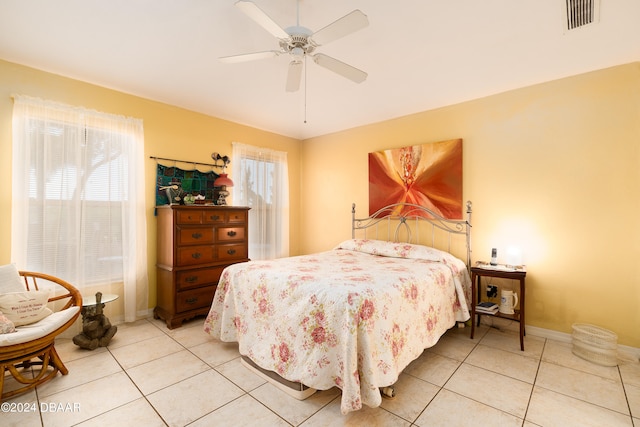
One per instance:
(595,344)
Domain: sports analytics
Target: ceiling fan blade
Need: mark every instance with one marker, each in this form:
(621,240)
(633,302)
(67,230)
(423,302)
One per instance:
(249,56)
(339,67)
(348,24)
(254,12)
(294,75)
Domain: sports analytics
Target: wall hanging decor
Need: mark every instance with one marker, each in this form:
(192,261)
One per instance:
(428,175)
(176,185)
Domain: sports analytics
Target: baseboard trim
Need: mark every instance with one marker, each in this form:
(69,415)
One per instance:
(625,353)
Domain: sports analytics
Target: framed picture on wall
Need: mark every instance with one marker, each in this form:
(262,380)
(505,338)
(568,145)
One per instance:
(428,175)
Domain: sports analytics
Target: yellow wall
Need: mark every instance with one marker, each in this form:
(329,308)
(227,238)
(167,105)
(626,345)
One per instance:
(552,168)
(169,132)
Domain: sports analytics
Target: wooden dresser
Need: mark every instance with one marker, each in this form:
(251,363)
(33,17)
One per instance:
(195,243)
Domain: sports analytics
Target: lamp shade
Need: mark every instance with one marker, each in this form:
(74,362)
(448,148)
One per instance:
(223,180)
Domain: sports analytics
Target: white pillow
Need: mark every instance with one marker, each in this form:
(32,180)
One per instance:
(24,308)
(10,280)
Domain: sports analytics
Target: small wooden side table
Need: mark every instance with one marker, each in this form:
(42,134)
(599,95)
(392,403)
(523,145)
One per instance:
(500,271)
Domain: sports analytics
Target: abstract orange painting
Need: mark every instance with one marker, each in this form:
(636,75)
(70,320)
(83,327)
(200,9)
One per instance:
(428,175)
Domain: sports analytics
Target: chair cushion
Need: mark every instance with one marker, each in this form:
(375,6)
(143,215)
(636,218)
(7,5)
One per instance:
(39,329)
(25,307)
(6,325)
(10,280)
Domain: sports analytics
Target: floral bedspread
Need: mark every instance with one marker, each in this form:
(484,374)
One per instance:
(353,317)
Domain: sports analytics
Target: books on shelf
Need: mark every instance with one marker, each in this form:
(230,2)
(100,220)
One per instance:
(487,307)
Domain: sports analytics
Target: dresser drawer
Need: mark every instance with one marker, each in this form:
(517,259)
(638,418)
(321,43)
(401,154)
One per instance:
(195,235)
(190,255)
(189,216)
(213,217)
(198,277)
(196,298)
(230,234)
(237,216)
(232,252)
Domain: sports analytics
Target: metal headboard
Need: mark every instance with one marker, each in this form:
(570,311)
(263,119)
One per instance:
(405,222)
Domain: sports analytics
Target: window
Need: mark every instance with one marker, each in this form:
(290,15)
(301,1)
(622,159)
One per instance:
(78,199)
(261,182)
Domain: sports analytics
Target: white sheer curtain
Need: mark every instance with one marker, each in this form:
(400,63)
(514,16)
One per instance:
(78,209)
(261,181)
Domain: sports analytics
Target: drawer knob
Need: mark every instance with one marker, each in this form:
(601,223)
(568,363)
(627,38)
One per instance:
(192,300)
(215,217)
(191,279)
(196,235)
(196,255)
(231,251)
(231,233)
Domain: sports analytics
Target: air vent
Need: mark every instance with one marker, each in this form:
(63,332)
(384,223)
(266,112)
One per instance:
(581,13)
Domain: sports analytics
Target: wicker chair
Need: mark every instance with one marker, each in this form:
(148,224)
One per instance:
(33,345)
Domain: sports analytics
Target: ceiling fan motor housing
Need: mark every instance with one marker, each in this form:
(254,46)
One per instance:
(299,42)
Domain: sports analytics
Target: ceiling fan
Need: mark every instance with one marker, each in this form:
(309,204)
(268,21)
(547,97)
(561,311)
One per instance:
(300,42)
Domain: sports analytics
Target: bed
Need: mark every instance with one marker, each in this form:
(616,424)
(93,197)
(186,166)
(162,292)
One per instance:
(352,317)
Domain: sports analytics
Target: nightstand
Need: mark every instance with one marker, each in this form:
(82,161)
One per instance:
(500,271)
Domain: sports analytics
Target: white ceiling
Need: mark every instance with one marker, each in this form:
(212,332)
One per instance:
(420,54)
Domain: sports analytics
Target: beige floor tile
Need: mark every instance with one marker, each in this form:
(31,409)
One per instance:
(130,333)
(433,368)
(162,325)
(145,351)
(88,400)
(504,362)
(559,353)
(159,323)
(193,398)
(510,341)
(412,396)
(633,396)
(189,377)
(197,321)
(630,373)
(190,335)
(584,386)
(68,351)
(134,414)
(216,352)
(465,333)
(548,408)
(453,348)
(238,374)
(21,411)
(501,392)
(81,371)
(330,416)
(289,408)
(451,409)
(244,411)
(165,371)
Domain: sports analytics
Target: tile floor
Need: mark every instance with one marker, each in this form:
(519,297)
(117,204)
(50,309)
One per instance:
(152,376)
